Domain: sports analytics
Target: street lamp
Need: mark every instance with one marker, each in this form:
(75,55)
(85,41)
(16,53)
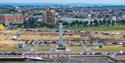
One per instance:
(61,46)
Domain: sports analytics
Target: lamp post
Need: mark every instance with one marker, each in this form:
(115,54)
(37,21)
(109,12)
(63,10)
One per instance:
(61,38)
(61,46)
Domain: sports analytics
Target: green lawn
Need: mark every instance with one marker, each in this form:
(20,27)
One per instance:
(45,28)
(117,48)
(74,48)
(111,28)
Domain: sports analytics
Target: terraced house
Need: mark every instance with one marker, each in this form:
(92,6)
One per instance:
(11,18)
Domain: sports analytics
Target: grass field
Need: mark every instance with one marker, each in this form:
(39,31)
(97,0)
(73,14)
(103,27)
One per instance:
(111,28)
(117,48)
(8,45)
(99,28)
(43,48)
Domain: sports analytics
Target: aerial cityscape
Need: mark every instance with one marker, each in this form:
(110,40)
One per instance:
(52,31)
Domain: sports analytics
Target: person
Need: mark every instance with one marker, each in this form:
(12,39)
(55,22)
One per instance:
(81,43)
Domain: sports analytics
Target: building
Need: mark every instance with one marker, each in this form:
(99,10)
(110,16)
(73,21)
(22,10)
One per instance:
(114,18)
(38,17)
(67,19)
(11,18)
(49,16)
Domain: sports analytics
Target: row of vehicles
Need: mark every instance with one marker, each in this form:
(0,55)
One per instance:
(69,53)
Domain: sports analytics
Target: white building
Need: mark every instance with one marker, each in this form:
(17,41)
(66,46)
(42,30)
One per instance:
(67,19)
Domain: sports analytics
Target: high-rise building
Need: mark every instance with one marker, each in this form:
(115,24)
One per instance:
(11,18)
(49,16)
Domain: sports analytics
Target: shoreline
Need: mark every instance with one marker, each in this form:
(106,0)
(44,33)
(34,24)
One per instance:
(68,57)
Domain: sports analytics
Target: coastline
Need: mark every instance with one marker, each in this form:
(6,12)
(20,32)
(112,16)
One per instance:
(60,58)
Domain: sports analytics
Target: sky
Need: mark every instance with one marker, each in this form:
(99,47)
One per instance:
(117,2)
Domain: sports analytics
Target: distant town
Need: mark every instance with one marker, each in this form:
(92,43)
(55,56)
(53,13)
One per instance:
(71,15)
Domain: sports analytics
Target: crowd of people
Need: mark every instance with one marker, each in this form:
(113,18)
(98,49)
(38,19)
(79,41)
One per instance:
(91,37)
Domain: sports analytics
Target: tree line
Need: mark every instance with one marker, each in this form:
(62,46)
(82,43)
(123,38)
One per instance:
(31,23)
(95,23)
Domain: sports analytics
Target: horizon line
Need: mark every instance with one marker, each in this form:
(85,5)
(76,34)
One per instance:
(35,3)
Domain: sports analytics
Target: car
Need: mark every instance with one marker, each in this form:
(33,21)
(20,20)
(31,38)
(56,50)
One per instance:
(98,53)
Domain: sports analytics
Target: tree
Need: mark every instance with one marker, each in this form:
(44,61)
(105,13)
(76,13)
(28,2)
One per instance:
(108,22)
(123,22)
(96,23)
(85,23)
(67,24)
(113,23)
(118,23)
(73,23)
(31,23)
(77,23)
(101,22)
(80,23)
(104,22)
(91,23)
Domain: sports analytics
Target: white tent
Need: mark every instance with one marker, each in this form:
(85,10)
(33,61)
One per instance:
(14,37)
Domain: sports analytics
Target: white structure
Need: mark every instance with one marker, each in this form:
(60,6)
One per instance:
(61,47)
(14,37)
(71,19)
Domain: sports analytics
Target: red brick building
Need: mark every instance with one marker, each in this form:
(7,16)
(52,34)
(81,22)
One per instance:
(11,18)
